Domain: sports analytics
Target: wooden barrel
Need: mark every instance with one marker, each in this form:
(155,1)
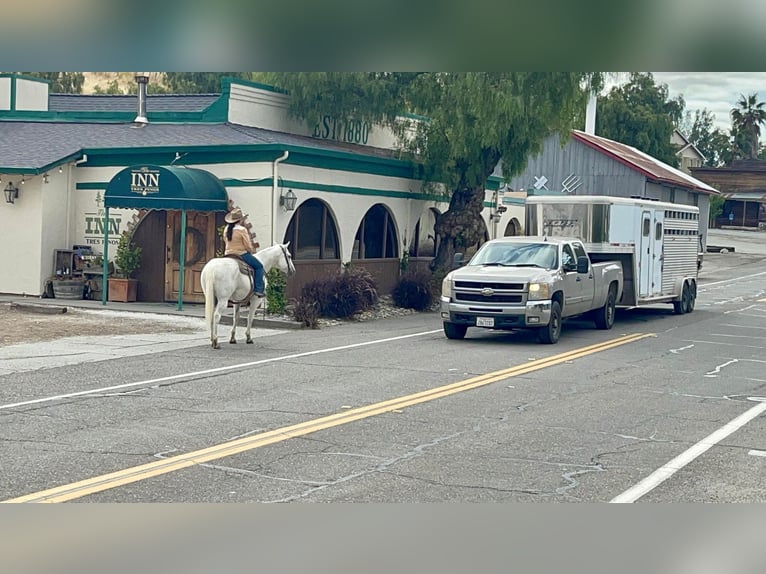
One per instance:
(72,289)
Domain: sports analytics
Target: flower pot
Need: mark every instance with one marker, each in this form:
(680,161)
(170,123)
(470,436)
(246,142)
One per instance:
(122,290)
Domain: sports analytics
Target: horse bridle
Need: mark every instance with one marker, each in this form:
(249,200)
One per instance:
(287,260)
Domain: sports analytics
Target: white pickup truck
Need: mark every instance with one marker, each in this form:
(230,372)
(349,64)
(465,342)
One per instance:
(529,283)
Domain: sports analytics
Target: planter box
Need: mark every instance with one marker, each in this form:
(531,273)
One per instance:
(123,290)
(68,288)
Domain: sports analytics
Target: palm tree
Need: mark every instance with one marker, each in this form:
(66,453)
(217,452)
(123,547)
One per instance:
(747,118)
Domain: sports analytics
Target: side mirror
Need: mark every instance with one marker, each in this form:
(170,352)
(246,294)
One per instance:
(583,264)
(457,260)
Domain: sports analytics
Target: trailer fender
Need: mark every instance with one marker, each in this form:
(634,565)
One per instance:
(679,287)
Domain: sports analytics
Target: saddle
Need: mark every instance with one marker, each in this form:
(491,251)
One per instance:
(246,270)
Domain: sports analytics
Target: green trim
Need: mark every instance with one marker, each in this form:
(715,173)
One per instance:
(308,186)
(252,153)
(361,191)
(13,94)
(92,185)
(228,80)
(24,77)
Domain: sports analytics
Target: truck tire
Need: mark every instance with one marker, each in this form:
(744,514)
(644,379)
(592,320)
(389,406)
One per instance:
(604,317)
(552,331)
(455,331)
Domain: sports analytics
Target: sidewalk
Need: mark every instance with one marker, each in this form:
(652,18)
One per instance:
(745,242)
(196,310)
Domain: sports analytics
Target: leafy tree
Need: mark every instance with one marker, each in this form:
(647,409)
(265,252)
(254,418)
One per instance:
(712,142)
(641,114)
(747,117)
(61,82)
(471,122)
(112,87)
(199,82)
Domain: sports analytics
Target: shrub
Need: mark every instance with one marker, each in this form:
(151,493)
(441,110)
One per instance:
(414,290)
(275,291)
(351,291)
(128,256)
(306,312)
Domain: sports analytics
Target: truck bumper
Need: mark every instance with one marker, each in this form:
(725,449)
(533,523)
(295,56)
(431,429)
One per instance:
(533,314)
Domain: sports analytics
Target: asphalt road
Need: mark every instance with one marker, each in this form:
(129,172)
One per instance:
(662,408)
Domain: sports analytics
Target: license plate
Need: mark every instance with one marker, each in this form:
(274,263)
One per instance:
(485,321)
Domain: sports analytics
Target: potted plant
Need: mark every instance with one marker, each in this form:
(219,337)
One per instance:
(122,287)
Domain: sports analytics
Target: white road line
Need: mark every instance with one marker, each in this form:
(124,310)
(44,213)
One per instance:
(714,372)
(675,351)
(704,286)
(757,452)
(741,326)
(737,336)
(207,372)
(725,344)
(665,472)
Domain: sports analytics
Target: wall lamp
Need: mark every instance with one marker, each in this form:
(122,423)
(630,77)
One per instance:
(288,200)
(11,192)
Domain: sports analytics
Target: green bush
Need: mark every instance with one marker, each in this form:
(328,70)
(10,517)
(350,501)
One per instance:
(306,312)
(340,296)
(414,290)
(276,282)
(128,256)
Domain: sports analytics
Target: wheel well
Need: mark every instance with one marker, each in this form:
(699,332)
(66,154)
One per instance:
(558,296)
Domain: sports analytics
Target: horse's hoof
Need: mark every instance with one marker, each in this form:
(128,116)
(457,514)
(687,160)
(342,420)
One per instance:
(232,341)
(249,341)
(216,345)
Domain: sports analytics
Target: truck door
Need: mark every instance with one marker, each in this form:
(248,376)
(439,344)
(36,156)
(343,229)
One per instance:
(572,282)
(645,255)
(587,282)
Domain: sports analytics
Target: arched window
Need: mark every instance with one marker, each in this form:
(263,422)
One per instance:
(424,240)
(376,236)
(312,232)
(513,228)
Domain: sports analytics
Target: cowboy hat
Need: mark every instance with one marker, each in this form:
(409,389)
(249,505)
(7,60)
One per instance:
(234,216)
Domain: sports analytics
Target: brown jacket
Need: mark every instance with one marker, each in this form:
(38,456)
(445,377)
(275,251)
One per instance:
(240,242)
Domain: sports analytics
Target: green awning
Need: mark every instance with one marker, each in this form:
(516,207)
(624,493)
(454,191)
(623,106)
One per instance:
(156,187)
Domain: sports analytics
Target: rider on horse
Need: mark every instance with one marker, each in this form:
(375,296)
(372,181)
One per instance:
(237,240)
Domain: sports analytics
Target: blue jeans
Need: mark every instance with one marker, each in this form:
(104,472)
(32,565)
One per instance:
(253,262)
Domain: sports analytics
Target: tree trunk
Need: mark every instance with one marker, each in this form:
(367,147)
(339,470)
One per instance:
(460,227)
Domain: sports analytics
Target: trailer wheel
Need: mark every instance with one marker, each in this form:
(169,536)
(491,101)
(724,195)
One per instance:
(692,297)
(604,317)
(552,331)
(455,331)
(682,306)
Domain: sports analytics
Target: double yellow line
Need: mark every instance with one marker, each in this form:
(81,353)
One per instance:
(172,464)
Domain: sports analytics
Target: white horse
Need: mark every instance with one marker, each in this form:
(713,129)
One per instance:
(222,281)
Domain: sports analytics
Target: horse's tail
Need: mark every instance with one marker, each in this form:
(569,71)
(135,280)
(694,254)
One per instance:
(208,288)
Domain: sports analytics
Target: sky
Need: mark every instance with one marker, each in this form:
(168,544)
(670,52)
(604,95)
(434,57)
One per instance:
(716,91)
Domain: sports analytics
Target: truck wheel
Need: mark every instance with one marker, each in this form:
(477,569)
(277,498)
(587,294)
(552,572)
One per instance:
(455,331)
(551,332)
(604,317)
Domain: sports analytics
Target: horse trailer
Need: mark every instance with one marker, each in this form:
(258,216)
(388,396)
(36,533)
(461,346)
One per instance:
(657,243)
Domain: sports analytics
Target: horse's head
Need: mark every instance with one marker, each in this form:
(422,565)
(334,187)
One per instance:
(286,263)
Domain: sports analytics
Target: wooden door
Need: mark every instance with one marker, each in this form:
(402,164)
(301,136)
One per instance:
(200,247)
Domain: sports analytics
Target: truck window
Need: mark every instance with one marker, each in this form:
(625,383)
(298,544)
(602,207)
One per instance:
(579,250)
(568,261)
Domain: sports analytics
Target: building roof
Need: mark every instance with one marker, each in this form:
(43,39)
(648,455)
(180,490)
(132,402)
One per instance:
(127,103)
(652,168)
(687,145)
(32,147)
